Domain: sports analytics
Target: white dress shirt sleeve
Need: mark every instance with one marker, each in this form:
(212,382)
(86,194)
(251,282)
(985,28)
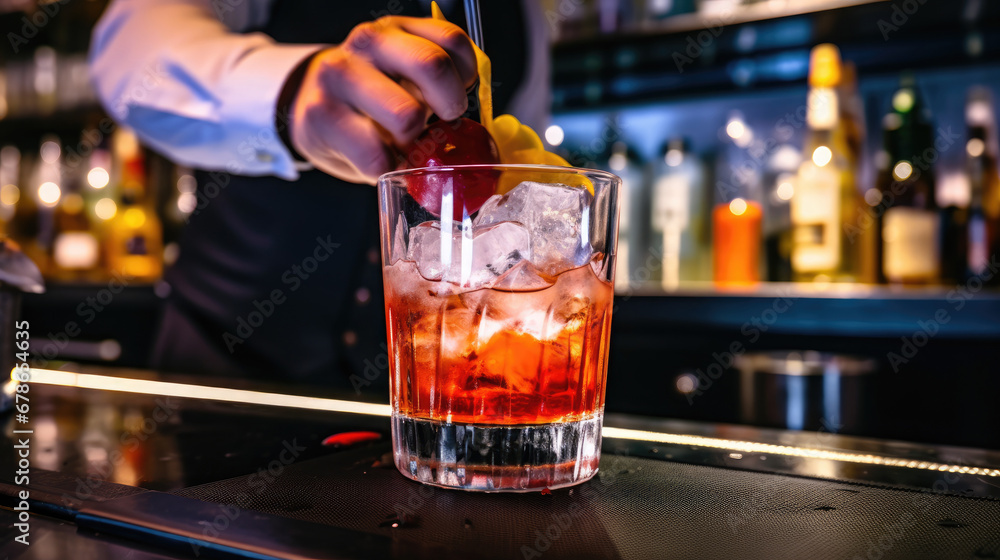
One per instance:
(193,84)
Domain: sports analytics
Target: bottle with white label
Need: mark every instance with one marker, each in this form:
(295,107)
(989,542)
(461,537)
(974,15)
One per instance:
(679,219)
(910,219)
(825,201)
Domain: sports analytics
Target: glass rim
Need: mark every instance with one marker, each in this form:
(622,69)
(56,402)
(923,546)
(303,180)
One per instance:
(606,175)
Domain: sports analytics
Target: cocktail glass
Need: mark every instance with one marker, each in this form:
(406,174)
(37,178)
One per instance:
(498,298)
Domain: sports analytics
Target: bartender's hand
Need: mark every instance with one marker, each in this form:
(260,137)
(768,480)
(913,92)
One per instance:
(376,90)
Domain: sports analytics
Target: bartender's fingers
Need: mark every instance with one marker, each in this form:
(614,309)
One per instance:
(451,38)
(429,67)
(373,93)
(427,64)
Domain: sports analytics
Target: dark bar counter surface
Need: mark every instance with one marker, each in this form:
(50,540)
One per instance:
(129,464)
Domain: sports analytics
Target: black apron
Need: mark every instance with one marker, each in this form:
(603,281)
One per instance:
(282,280)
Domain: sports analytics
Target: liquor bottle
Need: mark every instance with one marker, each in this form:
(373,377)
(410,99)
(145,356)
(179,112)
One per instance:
(10,192)
(101,192)
(825,200)
(779,180)
(623,161)
(76,252)
(983,237)
(679,220)
(23,224)
(910,220)
(135,236)
(861,235)
(852,114)
(46,194)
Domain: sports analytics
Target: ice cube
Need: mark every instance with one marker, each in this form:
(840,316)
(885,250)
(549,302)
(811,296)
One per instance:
(497,249)
(557,216)
(425,249)
(469,257)
(523,277)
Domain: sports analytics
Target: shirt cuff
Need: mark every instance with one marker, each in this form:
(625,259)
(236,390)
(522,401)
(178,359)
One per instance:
(251,91)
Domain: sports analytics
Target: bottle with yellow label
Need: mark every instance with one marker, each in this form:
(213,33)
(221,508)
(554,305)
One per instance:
(825,246)
(135,235)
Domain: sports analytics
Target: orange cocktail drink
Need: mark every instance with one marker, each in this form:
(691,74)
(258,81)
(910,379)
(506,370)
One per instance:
(498,317)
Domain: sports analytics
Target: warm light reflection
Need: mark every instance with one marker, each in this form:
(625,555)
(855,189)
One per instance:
(736,129)
(686,383)
(49,193)
(975,147)
(200,392)
(98,177)
(822,156)
(790,451)
(873,196)
(786,190)
(187,202)
(50,151)
(903,100)
(902,171)
(10,194)
(738,206)
(105,208)
(186,183)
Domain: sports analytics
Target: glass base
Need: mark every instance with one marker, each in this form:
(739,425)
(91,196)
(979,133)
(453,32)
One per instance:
(496,458)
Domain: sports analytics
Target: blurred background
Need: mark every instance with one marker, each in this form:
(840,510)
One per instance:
(810,220)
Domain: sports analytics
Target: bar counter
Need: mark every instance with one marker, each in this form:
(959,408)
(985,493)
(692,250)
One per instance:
(132,464)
